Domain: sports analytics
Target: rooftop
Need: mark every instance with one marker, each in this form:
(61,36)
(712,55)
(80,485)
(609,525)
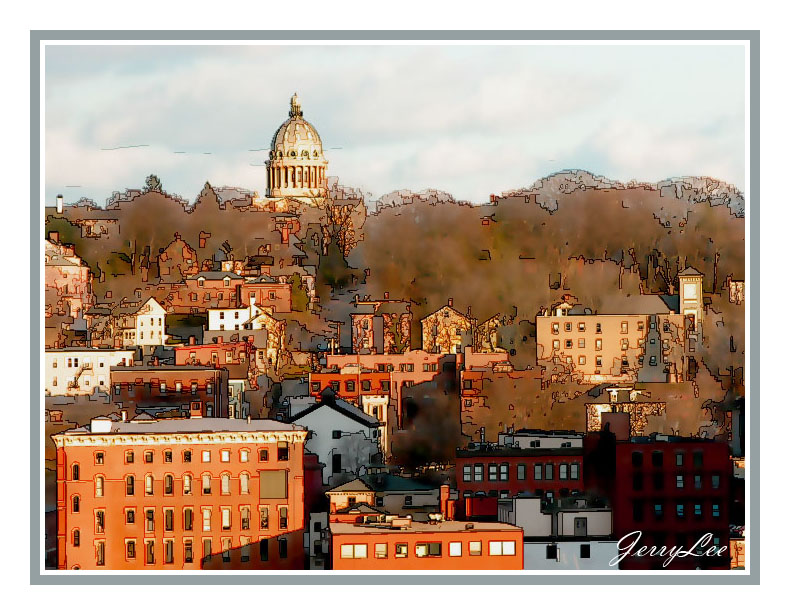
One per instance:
(187,425)
(417,527)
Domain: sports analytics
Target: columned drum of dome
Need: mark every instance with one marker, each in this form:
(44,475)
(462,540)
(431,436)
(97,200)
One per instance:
(296,167)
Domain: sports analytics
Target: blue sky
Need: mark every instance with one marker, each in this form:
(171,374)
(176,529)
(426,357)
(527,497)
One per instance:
(470,120)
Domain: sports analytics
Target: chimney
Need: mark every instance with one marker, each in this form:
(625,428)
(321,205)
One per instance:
(59,204)
(192,340)
(386,295)
(123,416)
(450,302)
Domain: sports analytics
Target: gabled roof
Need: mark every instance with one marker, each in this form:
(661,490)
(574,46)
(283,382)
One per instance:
(348,410)
(445,307)
(690,271)
(354,486)
(215,275)
(361,508)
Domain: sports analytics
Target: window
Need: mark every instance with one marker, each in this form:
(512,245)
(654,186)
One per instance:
(568,326)
(679,481)
(149,484)
(206,484)
(581,342)
(492,471)
(168,484)
(263,454)
(680,511)
(504,471)
(549,471)
(131,549)
(598,327)
(206,519)
(697,481)
(187,480)
(467,473)
(245,517)
(244,455)
(521,471)
(598,344)
(100,522)
(283,517)
(75,471)
(99,459)
(282,451)
(130,516)
(568,343)
(478,472)
(263,549)
(162,385)
(407,501)
(497,547)
(148,456)
(264,512)
(428,549)
(679,459)
(555,328)
(224,456)
(99,481)
(715,481)
(207,549)
(100,553)
(582,360)
(636,459)
(574,471)
(149,519)
(551,552)
(538,471)
(555,344)
(697,459)
(401,550)
(698,511)
(336,433)
(563,471)
(354,551)
(658,459)
(168,456)
(75,504)
(187,551)
(624,327)
(350,386)
(380,550)
(658,511)
(244,483)
(225,484)
(188,519)
(584,551)
(226,518)
(168,519)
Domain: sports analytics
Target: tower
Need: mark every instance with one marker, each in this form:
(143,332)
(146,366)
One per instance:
(690,289)
(296,167)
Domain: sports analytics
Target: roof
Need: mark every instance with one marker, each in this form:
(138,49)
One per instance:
(636,304)
(508,451)
(215,275)
(163,368)
(362,508)
(190,425)
(690,271)
(418,527)
(393,482)
(263,279)
(348,410)
(354,486)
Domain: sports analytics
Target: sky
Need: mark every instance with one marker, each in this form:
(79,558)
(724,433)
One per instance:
(470,120)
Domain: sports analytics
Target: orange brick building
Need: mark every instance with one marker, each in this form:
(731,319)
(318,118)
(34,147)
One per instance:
(402,544)
(179,494)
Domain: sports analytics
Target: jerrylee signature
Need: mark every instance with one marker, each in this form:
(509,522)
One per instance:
(627,545)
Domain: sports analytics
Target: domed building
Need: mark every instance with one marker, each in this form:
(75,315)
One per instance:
(296,167)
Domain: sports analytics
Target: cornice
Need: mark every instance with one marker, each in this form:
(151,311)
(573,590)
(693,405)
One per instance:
(115,439)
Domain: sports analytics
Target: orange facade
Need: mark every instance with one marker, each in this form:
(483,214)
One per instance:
(447,545)
(176,499)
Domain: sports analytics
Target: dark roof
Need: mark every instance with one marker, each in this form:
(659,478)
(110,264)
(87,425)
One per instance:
(672,302)
(215,275)
(262,279)
(329,400)
(508,451)
(690,271)
(393,482)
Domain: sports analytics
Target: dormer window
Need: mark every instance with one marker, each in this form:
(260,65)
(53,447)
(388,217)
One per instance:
(226,281)
(201,281)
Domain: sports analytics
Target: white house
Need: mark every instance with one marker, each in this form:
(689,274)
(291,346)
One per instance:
(78,371)
(143,325)
(231,319)
(569,536)
(343,436)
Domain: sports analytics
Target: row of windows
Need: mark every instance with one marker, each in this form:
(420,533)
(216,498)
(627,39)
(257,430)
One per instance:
(657,458)
(188,519)
(501,471)
(681,510)
(168,485)
(186,457)
(428,549)
(680,481)
(163,388)
(350,386)
(555,327)
(168,550)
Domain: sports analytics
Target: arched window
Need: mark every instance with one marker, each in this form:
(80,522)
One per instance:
(99,486)
(75,504)
(75,538)
(187,479)
(263,454)
(206,484)
(244,483)
(168,484)
(226,484)
(149,484)
(75,471)
(130,485)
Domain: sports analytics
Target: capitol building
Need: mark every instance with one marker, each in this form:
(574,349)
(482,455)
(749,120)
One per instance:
(296,168)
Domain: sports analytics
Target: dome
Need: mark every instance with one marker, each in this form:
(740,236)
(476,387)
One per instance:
(296,138)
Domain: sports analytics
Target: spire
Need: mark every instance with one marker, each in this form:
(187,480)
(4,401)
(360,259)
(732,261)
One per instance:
(296,106)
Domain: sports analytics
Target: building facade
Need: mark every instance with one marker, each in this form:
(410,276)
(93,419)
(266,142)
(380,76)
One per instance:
(180,494)
(80,371)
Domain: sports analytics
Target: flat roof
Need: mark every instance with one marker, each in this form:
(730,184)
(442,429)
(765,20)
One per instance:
(188,425)
(418,527)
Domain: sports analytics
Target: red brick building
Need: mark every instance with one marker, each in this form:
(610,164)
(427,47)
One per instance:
(204,290)
(673,490)
(221,354)
(267,293)
(185,390)
(180,494)
(402,544)
(350,387)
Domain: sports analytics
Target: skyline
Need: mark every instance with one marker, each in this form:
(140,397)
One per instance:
(476,126)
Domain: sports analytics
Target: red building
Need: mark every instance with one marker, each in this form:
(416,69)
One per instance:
(184,390)
(488,472)
(221,354)
(207,289)
(350,387)
(266,293)
(180,494)
(402,544)
(673,490)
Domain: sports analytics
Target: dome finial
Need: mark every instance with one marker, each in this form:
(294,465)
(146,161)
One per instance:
(296,106)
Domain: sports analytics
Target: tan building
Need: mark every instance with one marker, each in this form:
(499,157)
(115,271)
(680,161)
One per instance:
(296,167)
(447,331)
(690,282)
(573,343)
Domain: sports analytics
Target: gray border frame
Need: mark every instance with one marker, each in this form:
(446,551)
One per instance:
(753,424)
